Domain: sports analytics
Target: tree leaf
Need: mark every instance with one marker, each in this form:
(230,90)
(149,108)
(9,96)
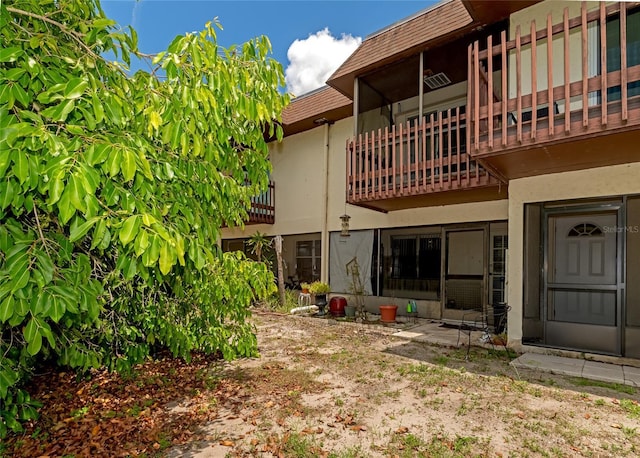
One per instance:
(8,377)
(167,258)
(7,193)
(128,166)
(35,345)
(129,229)
(6,308)
(142,242)
(20,278)
(10,54)
(98,109)
(65,209)
(77,232)
(5,160)
(56,186)
(21,166)
(151,254)
(30,329)
(57,309)
(75,88)
(155,120)
(76,193)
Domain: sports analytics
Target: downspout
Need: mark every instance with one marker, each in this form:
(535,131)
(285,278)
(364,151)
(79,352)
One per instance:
(356,103)
(324,236)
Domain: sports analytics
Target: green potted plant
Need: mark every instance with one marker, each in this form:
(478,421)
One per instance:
(320,290)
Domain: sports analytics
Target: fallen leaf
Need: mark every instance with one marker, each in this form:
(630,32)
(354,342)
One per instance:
(156,446)
(358,428)
(227,443)
(616,425)
(587,416)
(402,430)
(254,442)
(521,415)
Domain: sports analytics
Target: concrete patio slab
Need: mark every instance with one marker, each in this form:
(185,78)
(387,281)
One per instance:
(437,333)
(604,372)
(550,363)
(409,334)
(631,375)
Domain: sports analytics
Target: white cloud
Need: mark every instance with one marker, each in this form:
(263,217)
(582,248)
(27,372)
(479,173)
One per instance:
(313,60)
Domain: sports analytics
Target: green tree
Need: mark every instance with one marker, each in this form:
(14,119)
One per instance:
(113,189)
(259,244)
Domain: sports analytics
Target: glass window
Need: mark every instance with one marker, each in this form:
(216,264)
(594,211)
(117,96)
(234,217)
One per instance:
(308,254)
(633,51)
(413,267)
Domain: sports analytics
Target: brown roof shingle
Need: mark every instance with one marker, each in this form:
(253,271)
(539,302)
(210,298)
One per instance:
(325,102)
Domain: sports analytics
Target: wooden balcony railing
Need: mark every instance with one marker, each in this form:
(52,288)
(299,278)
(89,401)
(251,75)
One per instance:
(263,208)
(413,159)
(582,105)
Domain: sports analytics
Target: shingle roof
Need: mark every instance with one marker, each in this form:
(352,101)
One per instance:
(382,47)
(325,102)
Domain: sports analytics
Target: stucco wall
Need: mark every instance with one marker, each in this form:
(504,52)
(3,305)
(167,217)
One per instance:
(297,173)
(599,182)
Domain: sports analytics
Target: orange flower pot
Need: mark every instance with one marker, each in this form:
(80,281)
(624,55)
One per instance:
(388,313)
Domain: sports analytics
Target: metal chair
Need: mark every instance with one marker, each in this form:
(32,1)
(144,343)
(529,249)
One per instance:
(478,320)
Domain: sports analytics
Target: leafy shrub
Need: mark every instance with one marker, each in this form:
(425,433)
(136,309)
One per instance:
(113,189)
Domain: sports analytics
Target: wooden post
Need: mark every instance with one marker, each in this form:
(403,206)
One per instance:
(277,240)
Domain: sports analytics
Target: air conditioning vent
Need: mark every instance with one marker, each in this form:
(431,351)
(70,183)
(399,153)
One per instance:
(436,81)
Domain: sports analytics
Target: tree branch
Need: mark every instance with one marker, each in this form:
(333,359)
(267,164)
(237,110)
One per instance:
(61,26)
(44,241)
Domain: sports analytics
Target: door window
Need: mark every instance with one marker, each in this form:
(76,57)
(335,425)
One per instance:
(308,260)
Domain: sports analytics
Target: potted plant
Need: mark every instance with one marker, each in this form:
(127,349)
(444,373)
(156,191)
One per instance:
(305,287)
(388,312)
(320,290)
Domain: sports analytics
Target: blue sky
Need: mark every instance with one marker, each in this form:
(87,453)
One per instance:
(317,51)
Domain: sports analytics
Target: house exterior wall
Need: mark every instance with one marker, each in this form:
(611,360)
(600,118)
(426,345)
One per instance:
(297,164)
(297,172)
(309,202)
(591,183)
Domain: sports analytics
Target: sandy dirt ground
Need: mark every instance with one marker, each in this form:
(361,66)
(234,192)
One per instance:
(323,388)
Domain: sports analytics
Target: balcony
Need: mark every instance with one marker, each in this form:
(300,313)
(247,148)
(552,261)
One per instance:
(594,118)
(416,165)
(263,209)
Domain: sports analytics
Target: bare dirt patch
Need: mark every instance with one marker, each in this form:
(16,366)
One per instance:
(328,389)
(374,395)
